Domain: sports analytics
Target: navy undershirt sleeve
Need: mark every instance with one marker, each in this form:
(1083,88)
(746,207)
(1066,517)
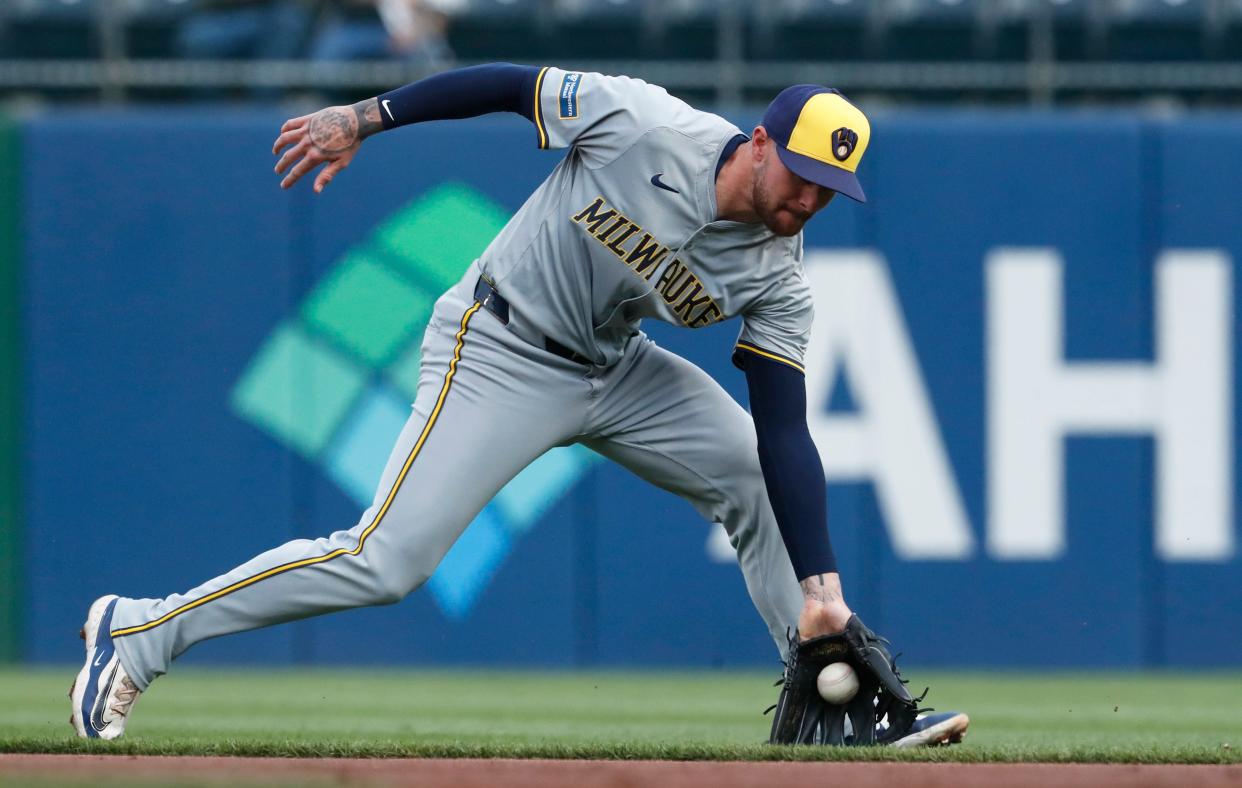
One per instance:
(462,93)
(792,470)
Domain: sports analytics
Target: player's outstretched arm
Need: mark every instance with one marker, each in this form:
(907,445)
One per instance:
(794,476)
(331,135)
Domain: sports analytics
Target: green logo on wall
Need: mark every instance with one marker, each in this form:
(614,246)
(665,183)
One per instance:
(334,381)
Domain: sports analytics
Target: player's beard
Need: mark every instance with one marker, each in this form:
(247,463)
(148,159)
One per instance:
(781,221)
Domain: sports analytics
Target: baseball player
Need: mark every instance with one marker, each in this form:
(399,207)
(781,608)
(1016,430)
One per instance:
(657,211)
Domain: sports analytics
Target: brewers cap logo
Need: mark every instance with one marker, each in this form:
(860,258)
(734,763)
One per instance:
(843,142)
(820,137)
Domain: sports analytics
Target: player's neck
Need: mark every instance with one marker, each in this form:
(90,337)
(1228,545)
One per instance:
(734,189)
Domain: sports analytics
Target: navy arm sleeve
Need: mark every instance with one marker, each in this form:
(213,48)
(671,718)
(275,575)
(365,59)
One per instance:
(792,470)
(462,93)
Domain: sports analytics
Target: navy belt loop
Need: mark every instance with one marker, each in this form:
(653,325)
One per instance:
(490,300)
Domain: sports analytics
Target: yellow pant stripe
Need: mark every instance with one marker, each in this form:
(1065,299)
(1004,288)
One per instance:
(392,495)
(543,135)
(769,354)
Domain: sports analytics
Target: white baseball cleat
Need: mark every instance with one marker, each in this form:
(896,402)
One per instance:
(930,730)
(103,693)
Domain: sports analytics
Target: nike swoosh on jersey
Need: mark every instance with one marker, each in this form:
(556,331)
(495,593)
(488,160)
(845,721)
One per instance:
(655,181)
(388,109)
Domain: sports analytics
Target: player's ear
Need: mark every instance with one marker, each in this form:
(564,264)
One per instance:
(759,142)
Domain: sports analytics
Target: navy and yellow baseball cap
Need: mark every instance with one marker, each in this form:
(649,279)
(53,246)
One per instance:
(819,136)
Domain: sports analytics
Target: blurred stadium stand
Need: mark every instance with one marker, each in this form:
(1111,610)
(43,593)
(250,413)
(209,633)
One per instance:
(1038,51)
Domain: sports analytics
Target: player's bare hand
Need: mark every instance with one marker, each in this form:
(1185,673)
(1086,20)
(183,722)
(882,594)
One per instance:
(292,132)
(823,606)
(330,136)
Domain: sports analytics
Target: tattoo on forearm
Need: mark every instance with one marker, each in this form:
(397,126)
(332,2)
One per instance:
(368,114)
(816,590)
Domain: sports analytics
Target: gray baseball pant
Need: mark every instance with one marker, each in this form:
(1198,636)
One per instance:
(489,403)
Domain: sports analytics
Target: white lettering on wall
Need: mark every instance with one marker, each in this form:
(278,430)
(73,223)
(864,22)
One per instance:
(893,439)
(1036,398)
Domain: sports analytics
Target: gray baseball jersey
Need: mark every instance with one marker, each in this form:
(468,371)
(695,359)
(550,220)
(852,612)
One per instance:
(625,228)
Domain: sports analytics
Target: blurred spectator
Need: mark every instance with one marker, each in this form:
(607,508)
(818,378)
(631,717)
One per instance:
(260,29)
(378,29)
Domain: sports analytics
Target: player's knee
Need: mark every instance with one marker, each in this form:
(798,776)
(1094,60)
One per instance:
(387,594)
(743,445)
(392,581)
(395,586)
(750,493)
(742,486)
(742,472)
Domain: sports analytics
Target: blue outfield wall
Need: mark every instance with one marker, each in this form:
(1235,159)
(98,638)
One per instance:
(1021,383)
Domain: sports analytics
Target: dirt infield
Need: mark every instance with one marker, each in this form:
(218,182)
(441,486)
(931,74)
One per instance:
(432,773)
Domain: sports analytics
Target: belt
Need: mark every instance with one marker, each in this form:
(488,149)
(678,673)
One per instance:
(491,300)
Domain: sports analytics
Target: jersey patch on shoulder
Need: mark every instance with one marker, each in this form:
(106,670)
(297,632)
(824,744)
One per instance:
(569,95)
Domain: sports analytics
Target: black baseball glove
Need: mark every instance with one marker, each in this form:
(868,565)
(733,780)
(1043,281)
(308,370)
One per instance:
(803,717)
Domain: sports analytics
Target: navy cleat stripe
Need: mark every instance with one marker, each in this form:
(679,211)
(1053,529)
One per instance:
(104,652)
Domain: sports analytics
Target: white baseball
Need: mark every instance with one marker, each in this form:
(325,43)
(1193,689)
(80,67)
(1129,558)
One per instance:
(837,683)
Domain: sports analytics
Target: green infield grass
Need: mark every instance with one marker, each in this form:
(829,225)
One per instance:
(1107,717)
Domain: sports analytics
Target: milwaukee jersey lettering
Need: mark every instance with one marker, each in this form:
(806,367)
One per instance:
(625,228)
